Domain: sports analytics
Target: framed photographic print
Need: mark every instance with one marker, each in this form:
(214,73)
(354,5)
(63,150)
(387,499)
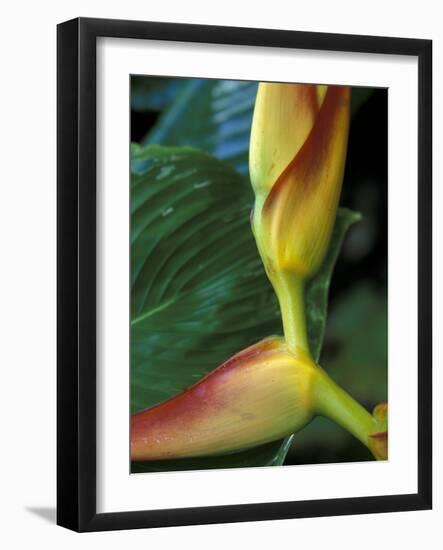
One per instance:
(244,274)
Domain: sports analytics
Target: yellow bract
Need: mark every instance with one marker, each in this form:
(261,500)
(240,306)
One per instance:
(283,118)
(297,157)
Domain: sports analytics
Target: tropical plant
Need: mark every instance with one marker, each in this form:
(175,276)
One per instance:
(200,294)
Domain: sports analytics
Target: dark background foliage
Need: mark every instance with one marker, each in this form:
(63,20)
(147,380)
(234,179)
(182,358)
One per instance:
(355,346)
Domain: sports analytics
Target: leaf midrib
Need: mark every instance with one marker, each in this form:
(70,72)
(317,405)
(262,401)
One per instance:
(153,311)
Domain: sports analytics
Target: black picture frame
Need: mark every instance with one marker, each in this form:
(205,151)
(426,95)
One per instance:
(76,265)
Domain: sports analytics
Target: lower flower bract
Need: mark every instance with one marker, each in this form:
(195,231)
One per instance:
(259,395)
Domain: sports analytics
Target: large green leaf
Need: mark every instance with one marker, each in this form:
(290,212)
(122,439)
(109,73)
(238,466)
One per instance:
(197,280)
(199,292)
(214,115)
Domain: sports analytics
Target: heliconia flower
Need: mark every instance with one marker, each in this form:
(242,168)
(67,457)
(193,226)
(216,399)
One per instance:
(297,156)
(261,394)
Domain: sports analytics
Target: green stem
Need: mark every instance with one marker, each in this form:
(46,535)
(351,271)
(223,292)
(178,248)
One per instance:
(290,292)
(333,402)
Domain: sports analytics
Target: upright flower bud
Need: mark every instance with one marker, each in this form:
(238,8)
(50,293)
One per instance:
(260,395)
(297,157)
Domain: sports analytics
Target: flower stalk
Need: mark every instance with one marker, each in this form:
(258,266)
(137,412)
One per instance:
(334,403)
(290,293)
